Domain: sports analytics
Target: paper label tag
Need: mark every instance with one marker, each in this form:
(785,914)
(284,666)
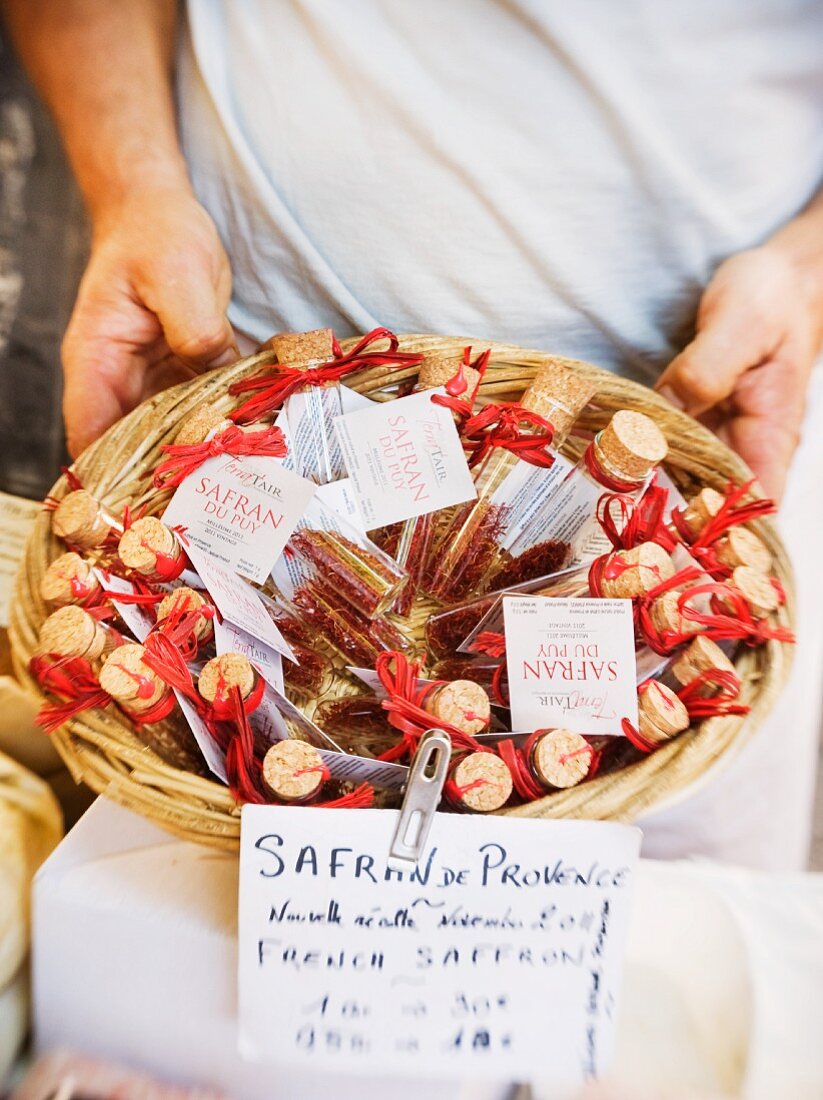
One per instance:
(229,638)
(570,663)
(525,493)
(361,769)
(340,497)
(405,459)
(138,619)
(499,957)
(17,516)
(238,602)
(240,511)
(205,742)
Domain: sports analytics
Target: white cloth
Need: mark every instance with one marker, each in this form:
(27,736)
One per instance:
(563,176)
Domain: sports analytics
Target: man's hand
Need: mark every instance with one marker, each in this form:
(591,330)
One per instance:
(151,310)
(759,331)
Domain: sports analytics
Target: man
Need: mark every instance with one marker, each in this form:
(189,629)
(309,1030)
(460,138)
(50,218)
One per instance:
(635,184)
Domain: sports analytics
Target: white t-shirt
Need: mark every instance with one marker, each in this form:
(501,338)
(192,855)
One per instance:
(560,175)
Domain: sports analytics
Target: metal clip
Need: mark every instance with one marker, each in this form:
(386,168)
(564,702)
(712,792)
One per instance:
(427,775)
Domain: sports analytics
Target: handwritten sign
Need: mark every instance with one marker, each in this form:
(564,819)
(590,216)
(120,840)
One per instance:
(500,955)
(570,663)
(404,459)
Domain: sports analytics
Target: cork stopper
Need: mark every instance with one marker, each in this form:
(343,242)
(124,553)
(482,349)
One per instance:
(661,715)
(183,599)
(129,681)
(303,349)
(483,782)
(462,703)
(221,674)
(438,370)
(73,632)
(701,508)
(701,655)
(558,394)
(632,573)
(742,547)
(561,758)
(69,579)
(79,520)
(756,589)
(293,770)
(667,617)
(198,424)
(144,542)
(630,446)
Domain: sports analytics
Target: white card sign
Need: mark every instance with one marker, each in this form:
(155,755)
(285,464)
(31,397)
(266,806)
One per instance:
(405,459)
(241,511)
(571,663)
(500,956)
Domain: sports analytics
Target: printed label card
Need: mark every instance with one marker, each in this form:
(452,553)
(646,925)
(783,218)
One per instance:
(404,458)
(240,511)
(238,602)
(498,957)
(138,619)
(571,664)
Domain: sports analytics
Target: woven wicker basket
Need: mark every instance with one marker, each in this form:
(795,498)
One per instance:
(101,747)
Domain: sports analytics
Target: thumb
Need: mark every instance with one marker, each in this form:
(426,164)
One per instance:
(708,369)
(192,312)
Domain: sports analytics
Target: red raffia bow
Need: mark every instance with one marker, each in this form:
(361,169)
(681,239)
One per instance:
(494,645)
(72,481)
(456,398)
(730,514)
(404,705)
(509,426)
(185,460)
(725,688)
(272,386)
(638,521)
(737,623)
(74,682)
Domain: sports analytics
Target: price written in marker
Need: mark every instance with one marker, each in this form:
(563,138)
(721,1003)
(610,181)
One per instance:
(499,955)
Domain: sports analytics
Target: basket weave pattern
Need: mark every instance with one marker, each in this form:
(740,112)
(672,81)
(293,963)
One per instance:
(101,748)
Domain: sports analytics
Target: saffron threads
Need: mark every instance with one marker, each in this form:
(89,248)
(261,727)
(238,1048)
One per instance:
(369,581)
(358,722)
(358,639)
(540,560)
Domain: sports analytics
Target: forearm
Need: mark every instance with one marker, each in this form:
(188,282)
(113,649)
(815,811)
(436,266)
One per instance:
(104,68)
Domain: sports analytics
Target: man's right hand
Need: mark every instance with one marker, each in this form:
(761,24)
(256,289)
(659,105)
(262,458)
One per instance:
(151,310)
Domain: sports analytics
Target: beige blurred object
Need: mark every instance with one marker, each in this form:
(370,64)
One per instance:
(68,1075)
(31,825)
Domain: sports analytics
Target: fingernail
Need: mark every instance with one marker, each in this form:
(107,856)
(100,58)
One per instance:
(672,397)
(230,355)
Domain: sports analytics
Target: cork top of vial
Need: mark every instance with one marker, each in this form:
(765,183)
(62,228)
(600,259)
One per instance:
(69,632)
(667,615)
(145,540)
(180,599)
(128,679)
(439,370)
(561,758)
(198,424)
(740,546)
(293,770)
(303,349)
(699,656)
(756,589)
(78,519)
(559,394)
(632,573)
(483,782)
(702,507)
(663,709)
(221,674)
(56,583)
(632,445)
(461,703)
